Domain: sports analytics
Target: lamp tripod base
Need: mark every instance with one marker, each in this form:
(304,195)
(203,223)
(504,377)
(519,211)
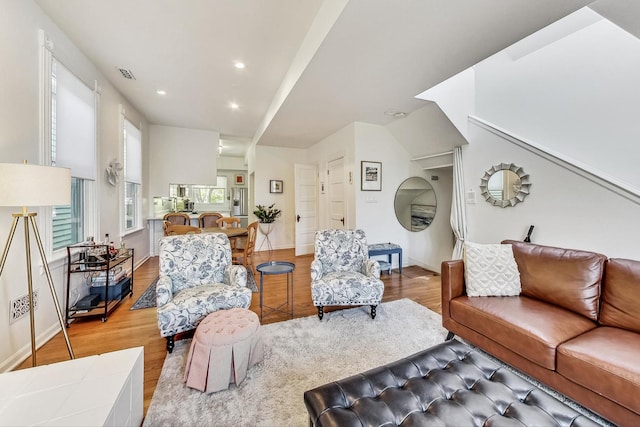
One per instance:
(29,222)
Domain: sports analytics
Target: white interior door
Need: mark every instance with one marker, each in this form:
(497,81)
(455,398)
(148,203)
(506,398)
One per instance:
(306,177)
(336,194)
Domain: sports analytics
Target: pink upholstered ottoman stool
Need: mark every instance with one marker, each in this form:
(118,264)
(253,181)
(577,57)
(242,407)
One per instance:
(225,345)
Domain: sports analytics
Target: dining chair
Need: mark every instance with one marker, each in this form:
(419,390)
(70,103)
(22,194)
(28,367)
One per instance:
(244,255)
(209,219)
(229,221)
(173,229)
(165,226)
(177,218)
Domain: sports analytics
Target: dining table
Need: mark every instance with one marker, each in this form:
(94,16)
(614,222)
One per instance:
(229,231)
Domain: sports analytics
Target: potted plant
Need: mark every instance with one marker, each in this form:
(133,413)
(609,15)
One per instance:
(267,214)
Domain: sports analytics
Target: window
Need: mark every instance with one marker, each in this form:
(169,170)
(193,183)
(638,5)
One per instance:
(67,220)
(132,177)
(72,144)
(208,194)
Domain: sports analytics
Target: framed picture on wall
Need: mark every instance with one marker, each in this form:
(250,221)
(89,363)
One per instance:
(239,179)
(275,186)
(371,176)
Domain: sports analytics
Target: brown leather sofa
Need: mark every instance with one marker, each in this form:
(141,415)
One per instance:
(575,325)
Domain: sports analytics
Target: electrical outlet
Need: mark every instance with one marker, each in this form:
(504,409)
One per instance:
(20,306)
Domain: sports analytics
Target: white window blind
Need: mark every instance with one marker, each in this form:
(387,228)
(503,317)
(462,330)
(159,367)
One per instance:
(75,129)
(132,153)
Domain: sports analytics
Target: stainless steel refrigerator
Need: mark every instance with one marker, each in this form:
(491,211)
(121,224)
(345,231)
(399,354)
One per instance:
(239,201)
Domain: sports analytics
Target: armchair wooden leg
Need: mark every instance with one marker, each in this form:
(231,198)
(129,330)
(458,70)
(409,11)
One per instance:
(320,312)
(170,343)
(373,311)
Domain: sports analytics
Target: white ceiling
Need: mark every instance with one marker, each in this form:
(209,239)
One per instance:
(377,56)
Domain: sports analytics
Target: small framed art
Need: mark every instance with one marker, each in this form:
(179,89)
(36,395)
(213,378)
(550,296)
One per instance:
(275,186)
(239,179)
(371,176)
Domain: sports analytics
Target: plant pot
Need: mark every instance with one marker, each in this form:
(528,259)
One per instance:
(265,227)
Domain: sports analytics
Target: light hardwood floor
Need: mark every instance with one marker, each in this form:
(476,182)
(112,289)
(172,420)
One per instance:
(130,328)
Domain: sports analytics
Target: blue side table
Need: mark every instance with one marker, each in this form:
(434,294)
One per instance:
(387,249)
(277,267)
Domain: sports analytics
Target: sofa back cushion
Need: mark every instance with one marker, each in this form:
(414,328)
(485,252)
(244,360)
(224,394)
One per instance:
(568,278)
(621,295)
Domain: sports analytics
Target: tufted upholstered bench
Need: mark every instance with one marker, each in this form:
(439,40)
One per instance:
(225,345)
(449,384)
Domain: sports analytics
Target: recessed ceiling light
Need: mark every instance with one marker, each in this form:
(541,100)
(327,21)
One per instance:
(234,106)
(239,65)
(396,114)
(161,92)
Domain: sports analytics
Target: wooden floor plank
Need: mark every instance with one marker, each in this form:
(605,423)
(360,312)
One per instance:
(130,328)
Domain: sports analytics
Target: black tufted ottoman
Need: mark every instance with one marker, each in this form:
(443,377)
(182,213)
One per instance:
(449,384)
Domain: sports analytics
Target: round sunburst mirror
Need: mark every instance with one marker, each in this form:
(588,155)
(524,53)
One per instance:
(505,185)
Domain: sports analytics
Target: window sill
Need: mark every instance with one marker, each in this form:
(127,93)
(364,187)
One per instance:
(133,231)
(57,259)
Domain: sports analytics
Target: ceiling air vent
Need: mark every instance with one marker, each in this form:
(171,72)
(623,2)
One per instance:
(127,74)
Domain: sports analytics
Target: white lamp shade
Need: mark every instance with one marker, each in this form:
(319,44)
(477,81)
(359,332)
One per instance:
(34,185)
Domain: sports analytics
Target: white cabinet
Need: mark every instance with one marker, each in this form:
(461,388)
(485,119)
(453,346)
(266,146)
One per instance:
(103,390)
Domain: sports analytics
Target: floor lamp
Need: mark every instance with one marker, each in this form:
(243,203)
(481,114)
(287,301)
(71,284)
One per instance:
(23,185)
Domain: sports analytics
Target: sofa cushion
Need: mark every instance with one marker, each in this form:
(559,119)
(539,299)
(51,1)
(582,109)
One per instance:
(490,270)
(604,359)
(565,277)
(529,327)
(621,295)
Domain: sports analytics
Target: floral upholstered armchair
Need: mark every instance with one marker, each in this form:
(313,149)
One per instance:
(197,278)
(342,273)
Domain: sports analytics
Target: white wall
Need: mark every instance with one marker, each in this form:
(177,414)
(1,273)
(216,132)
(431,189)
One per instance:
(370,210)
(233,163)
(181,156)
(20,22)
(336,146)
(276,163)
(375,210)
(456,98)
(566,209)
(577,96)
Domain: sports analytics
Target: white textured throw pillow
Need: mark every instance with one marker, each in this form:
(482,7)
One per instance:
(490,270)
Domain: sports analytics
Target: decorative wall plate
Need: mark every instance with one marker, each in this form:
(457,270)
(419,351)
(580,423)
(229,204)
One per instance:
(113,172)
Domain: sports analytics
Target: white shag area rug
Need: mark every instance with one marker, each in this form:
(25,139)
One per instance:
(300,354)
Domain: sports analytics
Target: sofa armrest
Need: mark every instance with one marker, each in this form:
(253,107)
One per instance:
(164,290)
(235,275)
(452,284)
(371,268)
